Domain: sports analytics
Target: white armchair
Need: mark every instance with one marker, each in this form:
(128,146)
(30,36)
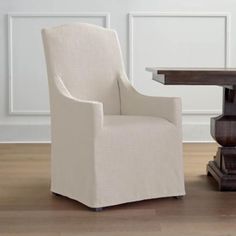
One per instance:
(110,144)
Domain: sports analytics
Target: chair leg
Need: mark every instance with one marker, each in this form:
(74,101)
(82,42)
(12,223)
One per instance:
(98,209)
(179,197)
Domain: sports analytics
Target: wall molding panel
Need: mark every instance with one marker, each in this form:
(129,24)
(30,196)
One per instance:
(152,33)
(32,15)
(201,15)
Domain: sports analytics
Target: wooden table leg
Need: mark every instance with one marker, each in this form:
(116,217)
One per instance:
(223,130)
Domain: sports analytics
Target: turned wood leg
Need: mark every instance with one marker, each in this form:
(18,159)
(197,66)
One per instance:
(223,130)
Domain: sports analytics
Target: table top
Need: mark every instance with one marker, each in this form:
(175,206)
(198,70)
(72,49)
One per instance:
(194,76)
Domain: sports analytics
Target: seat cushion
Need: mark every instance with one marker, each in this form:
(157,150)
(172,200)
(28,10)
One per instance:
(133,131)
(136,123)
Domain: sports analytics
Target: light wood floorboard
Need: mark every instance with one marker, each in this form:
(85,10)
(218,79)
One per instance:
(28,208)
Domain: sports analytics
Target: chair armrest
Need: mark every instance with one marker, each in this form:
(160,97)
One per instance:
(85,116)
(135,103)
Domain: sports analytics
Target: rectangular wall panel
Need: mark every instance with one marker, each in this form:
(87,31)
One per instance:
(152,33)
(179,40)
(28,89)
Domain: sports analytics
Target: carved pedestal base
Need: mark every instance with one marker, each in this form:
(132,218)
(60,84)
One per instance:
(223,130)
(223,168)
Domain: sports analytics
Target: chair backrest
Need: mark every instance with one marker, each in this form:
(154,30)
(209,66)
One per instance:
(88,59)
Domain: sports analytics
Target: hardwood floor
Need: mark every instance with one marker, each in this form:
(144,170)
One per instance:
(28,208)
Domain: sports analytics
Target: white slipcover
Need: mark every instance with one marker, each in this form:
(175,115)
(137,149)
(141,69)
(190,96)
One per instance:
(110,144)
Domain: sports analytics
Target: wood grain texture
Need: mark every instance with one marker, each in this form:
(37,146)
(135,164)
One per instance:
(194,76)
(28,208)
(223,130)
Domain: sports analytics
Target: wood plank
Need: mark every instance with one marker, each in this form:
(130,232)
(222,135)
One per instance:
(194,76)
(28,208)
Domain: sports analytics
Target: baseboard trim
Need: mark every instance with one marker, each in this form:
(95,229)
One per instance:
(25,133)
(49,142)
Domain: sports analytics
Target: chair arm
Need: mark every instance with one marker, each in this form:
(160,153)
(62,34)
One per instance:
(135,103)
(85,116)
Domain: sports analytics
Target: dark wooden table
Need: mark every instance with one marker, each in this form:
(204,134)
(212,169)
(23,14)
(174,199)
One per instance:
(223,127)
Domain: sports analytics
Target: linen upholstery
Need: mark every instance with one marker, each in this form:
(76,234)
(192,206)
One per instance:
(110,144)
(88,67)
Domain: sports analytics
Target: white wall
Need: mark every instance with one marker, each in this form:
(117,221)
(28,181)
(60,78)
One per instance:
(184,33)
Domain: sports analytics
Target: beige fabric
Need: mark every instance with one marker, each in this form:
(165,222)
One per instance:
(110,144)
(89,66)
